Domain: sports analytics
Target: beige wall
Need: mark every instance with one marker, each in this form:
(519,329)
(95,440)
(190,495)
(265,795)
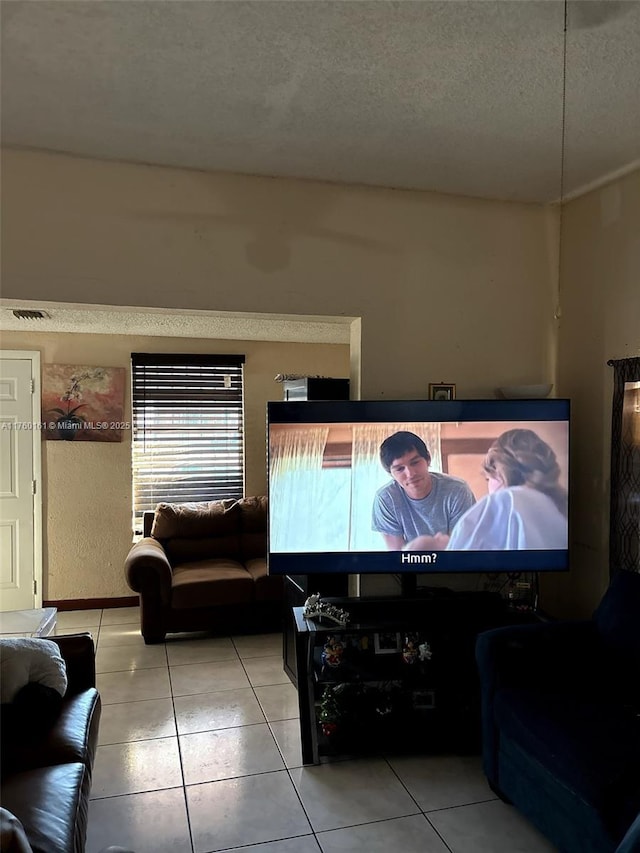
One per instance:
(600,300)
(446,289)
(87,485)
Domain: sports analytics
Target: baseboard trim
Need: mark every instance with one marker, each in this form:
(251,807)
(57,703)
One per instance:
(93,603)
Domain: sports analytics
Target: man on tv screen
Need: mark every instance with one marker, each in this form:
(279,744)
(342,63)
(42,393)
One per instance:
(417,502)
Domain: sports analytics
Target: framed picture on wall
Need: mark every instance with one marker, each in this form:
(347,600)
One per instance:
(83,402)
(442,391)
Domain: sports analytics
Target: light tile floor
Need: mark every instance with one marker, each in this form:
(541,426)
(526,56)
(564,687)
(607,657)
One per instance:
(199,751)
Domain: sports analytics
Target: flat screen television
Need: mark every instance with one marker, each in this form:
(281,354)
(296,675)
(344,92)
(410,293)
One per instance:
(489,494)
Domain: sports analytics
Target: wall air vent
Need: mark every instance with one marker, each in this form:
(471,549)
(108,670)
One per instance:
(23,314)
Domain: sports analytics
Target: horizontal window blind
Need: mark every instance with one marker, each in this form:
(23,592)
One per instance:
(188,435)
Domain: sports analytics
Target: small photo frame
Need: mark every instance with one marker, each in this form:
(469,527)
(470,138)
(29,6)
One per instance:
(424,700)
(387,643)
(441,391)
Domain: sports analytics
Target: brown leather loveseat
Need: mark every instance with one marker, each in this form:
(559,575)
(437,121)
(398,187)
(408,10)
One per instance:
(204,568)
(46,773)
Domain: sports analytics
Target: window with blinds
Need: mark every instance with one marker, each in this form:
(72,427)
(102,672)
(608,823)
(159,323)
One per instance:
(187,429)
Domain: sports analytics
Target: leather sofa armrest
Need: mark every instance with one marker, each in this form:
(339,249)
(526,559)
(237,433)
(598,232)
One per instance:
(148,570)
(78,652)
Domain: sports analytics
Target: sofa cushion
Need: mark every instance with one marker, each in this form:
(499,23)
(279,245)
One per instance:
(210,582)
(195,531)
(73,737)
(52,804)
(195,520)
(591,747)
(180,551)
(268,587)
(25,660)
(253,524)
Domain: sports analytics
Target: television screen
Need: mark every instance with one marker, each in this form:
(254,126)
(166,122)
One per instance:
(418,486)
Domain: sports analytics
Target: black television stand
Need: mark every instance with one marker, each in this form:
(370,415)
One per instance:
(409,584)
(363,687)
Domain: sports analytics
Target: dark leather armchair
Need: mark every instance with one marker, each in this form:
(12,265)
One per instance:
(46,773)
(561,722)
(204,568)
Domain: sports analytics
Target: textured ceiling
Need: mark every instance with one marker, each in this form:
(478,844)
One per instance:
(89,319)
(457,97)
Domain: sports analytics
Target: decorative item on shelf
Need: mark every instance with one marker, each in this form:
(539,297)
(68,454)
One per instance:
(332,652)
(315,608)
(425,652)
(384,703)
(442,391)
(329,712)
(355,646)
(410,650)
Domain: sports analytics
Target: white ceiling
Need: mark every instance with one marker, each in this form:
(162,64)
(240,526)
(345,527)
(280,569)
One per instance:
(458,97)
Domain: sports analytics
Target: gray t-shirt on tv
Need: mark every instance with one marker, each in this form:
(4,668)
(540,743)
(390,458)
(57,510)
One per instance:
(396,514)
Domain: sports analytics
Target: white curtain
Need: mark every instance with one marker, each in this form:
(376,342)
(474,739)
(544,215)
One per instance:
(309,505)
(368,475)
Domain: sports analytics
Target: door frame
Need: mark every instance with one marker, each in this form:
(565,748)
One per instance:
(36,436)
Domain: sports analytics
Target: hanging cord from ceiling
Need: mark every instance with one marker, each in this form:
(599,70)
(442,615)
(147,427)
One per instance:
(558,311)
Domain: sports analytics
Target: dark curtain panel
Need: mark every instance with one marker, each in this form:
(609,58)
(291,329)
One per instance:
(624,541)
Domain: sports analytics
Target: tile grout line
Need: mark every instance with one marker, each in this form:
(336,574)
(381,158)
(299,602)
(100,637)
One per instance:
(287,770)
(177,736)
(184,784)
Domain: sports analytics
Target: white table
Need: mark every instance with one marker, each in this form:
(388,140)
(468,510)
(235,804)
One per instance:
(40,622)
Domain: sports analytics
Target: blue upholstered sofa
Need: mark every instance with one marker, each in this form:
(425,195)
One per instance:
(561,722)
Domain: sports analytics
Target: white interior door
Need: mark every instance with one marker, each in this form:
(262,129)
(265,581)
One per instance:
(20,481)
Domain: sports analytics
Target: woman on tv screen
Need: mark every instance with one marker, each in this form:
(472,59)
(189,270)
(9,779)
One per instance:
(526,507)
